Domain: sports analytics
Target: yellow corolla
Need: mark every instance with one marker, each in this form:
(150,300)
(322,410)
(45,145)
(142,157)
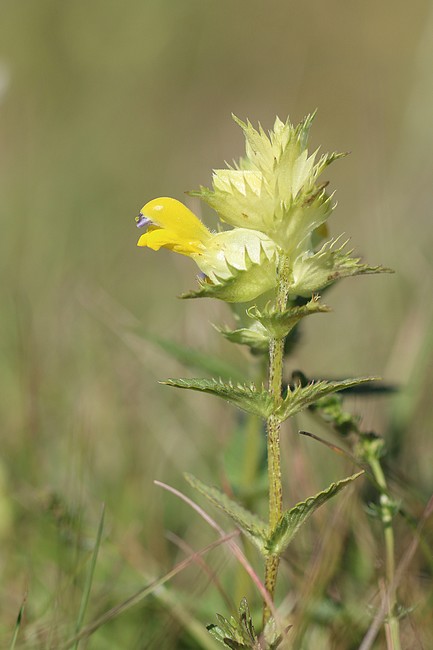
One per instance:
(242,258)
(171,225)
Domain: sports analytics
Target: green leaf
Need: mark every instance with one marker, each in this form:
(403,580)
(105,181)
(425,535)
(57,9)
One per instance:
(219,632)
(18,625)
(291,520)
(250,524)
(280,324)
(314,272)
(237,635)
(256,337)
(248,398)
(301,397)
(242,285)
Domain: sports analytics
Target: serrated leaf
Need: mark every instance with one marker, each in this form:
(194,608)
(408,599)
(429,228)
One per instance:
(256,338)
(250,524)
(246,621)
(279,324)
(291,521)
(225,631)
(314,272)
(237,635)
(246,397)
(219,635)
(300,397)
(242,285)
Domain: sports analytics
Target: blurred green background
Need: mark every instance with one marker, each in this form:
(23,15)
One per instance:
(103,106)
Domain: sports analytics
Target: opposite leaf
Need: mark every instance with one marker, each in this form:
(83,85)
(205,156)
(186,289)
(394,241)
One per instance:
(250,524)
(248,398)
(314,271)
(279,324)
(291,520)
(256,336)
(241,635)
(237,635)
(301,397)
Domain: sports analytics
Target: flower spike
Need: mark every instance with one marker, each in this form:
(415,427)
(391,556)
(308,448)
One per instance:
(274,188)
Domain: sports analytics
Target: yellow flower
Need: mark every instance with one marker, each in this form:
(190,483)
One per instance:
(171,225)
(239,264)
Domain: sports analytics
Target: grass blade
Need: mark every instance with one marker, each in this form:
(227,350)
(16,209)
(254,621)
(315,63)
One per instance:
(89,578)
(18,624)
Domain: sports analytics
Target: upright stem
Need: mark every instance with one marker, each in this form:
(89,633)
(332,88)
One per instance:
(273,433)
(386,515)
(273,425)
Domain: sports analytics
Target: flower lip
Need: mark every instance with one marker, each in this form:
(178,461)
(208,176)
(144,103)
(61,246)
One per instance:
(142,221)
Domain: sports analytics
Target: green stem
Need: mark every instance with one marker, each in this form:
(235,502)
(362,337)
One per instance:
(386,514)
(251,461)
(276,354)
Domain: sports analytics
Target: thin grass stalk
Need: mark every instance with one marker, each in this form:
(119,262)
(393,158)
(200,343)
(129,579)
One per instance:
(386,516)
(142,593)
(89,579)
(17,625)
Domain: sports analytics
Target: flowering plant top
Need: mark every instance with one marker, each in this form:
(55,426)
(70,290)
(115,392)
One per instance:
(278,212)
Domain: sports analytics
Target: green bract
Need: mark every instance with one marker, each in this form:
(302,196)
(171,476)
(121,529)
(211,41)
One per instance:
(314,271)
(274,188)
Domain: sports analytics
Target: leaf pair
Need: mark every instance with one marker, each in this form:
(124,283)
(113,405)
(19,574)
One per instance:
(240,634)
(236,634)
(270,542)
(269,323)
(259,401)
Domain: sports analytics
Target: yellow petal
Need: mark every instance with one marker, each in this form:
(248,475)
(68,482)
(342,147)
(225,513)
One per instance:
(172,215)
(157,238)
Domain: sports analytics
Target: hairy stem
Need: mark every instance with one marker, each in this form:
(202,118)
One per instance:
(251,462)
(276,353)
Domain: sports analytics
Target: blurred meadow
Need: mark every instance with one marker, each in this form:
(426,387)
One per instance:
(103,106)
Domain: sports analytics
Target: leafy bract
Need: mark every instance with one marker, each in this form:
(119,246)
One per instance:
(315,271)
(279,324)
(256,336)
(274,188)
(241,285)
